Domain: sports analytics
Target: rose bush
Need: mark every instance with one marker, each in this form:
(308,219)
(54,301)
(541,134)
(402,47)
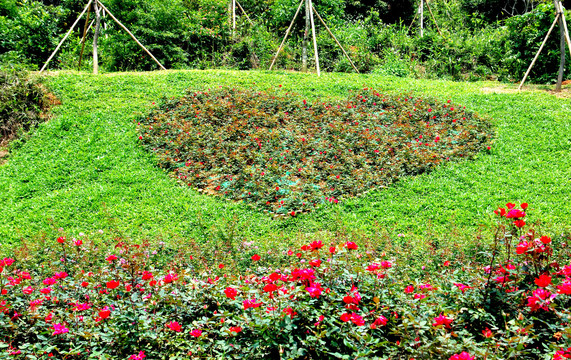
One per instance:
(285,155)
(82,300)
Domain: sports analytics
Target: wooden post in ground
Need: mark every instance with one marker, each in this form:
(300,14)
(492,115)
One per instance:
(562,58)
(305,38)
(567,39)
(334,38)
(132,36)
(421,13)
(233,17)
(286,35)
(314,39)
(96,37)
(65,37)
(85,28)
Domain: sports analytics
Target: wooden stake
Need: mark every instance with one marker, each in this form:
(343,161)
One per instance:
(413,19)
(562,57)
(433,18)
(421,11)
(65,37)
(96,38)
(314,39)
(85,28)
(539,51)
(247,17)
(305,38)
(128,32)
(233,17)
(286,35)
(334,38)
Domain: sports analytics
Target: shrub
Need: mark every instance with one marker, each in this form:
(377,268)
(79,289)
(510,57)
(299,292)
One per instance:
(285,155)
(70,298)
(22,100)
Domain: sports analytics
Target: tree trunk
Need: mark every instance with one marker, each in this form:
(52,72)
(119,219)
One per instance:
(305,38)
(96,37)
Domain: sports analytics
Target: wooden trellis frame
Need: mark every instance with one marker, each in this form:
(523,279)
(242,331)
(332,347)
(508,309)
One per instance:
(309,11)
(421,13)
(564,36)
(98,7)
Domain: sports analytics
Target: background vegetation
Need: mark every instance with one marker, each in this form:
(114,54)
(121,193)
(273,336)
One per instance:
(481,39)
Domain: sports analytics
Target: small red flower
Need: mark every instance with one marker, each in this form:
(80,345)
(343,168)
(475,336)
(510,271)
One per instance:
(104,314)
(231,293)
(543,280)
(545,239)
(196,333)
(235,329)
(462,356)
(346,317)
(487,333)
(174,326)
(524,206)
(61,239)
(256,257)
(351,245)
(442,320)
(112,284)
(519,223)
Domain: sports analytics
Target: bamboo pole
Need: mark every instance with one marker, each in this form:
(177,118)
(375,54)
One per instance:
(412,22)
(314,39)
(305,38)
(233,17)
(539,51)
(334,38)
(562,56)
(567,39)
(85,28)
(286,35)
(96,37)
(247,17)
(128,32)
(66,35)
(433,18)
(421,12)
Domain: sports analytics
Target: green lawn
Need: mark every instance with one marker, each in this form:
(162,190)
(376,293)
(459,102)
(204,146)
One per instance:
(85,170)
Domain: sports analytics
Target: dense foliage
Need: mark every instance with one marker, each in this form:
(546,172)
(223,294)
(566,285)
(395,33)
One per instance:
(77,298)
(480,38)
(22,102)
(286,155)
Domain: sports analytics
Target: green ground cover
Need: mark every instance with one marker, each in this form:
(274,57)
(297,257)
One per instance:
(84,170)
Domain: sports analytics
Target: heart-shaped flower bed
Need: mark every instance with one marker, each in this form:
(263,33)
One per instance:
(285,155)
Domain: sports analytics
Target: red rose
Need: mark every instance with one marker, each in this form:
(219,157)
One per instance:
(112,284)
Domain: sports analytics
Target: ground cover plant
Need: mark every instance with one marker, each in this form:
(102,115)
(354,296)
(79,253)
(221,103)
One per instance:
(85,170)
(286,155)
(98,297)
